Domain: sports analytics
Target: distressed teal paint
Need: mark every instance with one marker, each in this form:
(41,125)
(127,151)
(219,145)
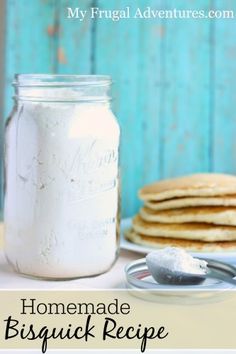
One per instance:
(174,80)
(30,40)
(224,90)
(2,29)
(186,116)
(74,50)
(129,51)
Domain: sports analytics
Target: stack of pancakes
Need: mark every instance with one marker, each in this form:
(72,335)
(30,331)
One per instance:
(196,212)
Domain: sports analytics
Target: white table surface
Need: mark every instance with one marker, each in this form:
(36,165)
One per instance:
(115,278)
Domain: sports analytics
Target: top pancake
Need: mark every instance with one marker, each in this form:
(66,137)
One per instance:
(197,185)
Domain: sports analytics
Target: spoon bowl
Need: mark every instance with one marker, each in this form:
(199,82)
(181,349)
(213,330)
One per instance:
(167,276)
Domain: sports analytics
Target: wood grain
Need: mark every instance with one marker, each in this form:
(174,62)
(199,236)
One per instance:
(186,116)
(30,40)
(224,91)
(130,52)
(2,79)
(74,51)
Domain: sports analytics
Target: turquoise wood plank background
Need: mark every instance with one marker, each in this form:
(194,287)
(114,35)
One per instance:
(175,87)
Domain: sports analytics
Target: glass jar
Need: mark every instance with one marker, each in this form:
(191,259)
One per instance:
(61,199)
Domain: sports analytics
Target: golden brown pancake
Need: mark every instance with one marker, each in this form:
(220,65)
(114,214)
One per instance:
(197,185)
(211,215)
(227,200)
(188,245)
(189,231)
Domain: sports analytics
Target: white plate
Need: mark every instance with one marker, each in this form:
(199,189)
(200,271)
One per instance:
(125,244)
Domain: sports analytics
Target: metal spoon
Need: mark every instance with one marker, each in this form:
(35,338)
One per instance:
(166,276)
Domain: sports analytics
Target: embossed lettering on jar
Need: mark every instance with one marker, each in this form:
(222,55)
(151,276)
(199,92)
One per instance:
(61,198)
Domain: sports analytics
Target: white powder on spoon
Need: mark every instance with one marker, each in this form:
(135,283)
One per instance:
(177,260)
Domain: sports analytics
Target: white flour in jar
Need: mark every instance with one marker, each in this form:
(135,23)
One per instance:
(62,189)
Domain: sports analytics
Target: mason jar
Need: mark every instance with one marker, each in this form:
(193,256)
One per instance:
(61,198)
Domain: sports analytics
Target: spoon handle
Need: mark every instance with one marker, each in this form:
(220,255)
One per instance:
(222,278)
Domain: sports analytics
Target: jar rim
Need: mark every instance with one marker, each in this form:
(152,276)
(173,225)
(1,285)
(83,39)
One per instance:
(57,80)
